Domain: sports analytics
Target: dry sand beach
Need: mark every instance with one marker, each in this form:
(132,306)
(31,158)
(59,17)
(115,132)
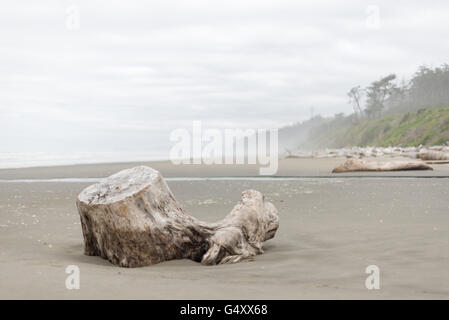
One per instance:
(332,226)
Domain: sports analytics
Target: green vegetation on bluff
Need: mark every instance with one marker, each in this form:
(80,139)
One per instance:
(385,113)
(426,127)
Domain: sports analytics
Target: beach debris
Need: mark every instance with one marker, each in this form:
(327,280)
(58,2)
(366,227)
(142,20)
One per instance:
(132,219)
(430,153)
(437,155)
(372,165)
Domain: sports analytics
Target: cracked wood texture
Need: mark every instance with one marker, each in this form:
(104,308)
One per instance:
(132,219)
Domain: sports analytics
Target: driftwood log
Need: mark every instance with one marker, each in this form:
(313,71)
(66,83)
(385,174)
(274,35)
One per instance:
(433,155)
(370,165)
(132,219)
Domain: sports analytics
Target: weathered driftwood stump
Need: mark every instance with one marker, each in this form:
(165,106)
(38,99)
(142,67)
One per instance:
(369,165)
(132,219)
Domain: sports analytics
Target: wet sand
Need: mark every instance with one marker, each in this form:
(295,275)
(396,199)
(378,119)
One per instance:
(332,228)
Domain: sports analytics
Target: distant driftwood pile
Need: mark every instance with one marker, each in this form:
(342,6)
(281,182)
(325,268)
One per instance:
(132,219)
(424,153)
(423,157)
(370,165)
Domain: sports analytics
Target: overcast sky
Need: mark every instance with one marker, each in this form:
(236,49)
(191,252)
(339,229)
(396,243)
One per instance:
(127,72)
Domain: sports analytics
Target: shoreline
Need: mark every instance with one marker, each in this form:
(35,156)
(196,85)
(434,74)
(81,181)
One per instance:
(288,167)
(223,178)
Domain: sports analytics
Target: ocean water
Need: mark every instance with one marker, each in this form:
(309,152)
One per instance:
(45,159)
